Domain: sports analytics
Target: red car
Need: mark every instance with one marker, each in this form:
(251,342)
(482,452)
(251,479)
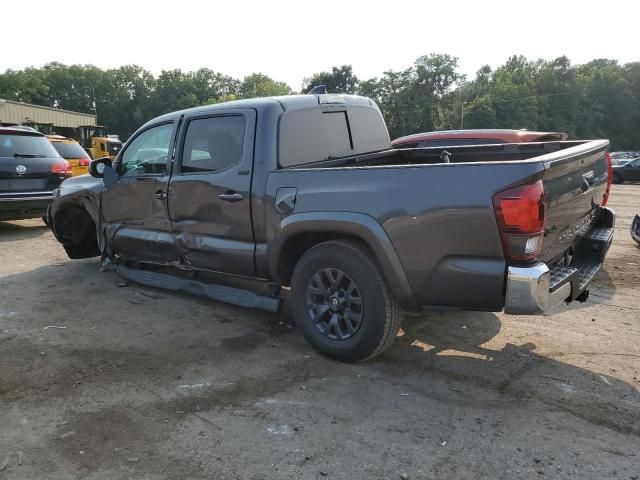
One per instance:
(451,138)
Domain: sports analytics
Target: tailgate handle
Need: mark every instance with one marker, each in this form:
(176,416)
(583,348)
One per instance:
(587,180)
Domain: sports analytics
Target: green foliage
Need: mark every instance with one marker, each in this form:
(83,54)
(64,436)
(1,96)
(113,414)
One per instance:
(339,80)
(480,113)
(597,99)
(126,97)
(259,85)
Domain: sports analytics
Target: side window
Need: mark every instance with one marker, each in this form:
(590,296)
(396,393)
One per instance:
(213,144)
(147,153)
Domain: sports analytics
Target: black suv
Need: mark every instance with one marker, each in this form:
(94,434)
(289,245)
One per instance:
(30,170)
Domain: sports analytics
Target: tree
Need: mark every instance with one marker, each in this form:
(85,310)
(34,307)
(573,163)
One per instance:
(260,85)
(597,99)
(513,93)
(480,113)
(339,80)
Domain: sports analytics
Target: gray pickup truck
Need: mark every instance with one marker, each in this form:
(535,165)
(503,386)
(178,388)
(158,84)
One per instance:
(301,197)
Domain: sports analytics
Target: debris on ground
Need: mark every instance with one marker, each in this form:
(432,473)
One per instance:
(53,326)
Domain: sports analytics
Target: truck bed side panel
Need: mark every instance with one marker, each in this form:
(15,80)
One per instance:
(439,218)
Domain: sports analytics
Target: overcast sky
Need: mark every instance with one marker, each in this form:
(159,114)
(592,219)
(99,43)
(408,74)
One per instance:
(290,40)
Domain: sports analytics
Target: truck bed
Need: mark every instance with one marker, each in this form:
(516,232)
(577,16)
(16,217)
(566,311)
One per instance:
(509,152)
(440,217)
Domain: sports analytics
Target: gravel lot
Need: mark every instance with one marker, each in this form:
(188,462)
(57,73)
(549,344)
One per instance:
(105,382)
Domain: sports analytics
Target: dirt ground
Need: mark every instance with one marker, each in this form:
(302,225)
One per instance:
(99,381)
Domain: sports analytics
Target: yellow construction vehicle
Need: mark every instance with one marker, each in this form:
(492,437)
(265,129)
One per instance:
(97,143)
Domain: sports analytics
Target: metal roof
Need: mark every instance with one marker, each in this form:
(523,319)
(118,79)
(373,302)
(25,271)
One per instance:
(18,112)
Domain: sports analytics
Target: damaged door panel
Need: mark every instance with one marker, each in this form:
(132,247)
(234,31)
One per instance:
(209,192)
(134,209)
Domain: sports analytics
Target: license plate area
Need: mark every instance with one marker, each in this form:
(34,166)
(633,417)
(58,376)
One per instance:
(22,184)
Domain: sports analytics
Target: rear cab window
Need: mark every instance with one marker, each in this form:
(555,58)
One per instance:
(322,132)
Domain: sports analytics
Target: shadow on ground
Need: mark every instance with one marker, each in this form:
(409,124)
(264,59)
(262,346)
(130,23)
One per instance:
(447,345)
(10,231)
(450,345)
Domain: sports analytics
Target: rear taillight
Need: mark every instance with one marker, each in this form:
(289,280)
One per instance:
(605,197)
(84,162)
(520,213)
(61,168)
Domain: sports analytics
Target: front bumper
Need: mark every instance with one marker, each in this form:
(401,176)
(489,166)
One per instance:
(24,207)
(538,289)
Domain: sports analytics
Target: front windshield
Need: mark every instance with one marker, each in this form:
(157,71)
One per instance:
(26,146)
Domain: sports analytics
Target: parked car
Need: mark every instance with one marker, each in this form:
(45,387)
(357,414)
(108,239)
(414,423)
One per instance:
(618,162)
(624,155)
(627,172)
(72,152)
(30,170)
(449,138)
(302,196)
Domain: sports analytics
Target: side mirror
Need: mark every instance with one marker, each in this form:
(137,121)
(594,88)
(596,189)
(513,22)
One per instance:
(98,166)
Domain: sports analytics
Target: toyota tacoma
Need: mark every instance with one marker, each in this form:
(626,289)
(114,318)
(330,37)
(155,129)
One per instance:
(303,198)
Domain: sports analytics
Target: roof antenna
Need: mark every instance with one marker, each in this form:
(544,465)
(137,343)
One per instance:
(318,90)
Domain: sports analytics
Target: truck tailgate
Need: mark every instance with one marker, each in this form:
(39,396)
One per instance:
(575,181)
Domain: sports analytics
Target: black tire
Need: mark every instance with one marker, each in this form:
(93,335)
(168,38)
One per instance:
(616,178)
(379,313)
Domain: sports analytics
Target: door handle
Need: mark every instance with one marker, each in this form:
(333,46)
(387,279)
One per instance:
(160,195)
(231,197)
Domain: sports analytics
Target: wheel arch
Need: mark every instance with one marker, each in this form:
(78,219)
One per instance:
(75,228)
(297,233)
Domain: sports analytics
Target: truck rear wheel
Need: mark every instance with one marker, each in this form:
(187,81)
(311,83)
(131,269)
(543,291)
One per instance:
(341,302)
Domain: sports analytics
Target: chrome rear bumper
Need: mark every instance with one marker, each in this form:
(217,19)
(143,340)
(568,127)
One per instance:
(528,291)
(536,289)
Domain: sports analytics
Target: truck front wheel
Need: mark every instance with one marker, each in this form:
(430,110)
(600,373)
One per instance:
(341,302)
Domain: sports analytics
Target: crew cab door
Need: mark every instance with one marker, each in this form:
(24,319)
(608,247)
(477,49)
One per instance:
(209,192)
(134,209)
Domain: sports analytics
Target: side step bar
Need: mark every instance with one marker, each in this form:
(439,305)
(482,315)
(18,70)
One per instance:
(220,293)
